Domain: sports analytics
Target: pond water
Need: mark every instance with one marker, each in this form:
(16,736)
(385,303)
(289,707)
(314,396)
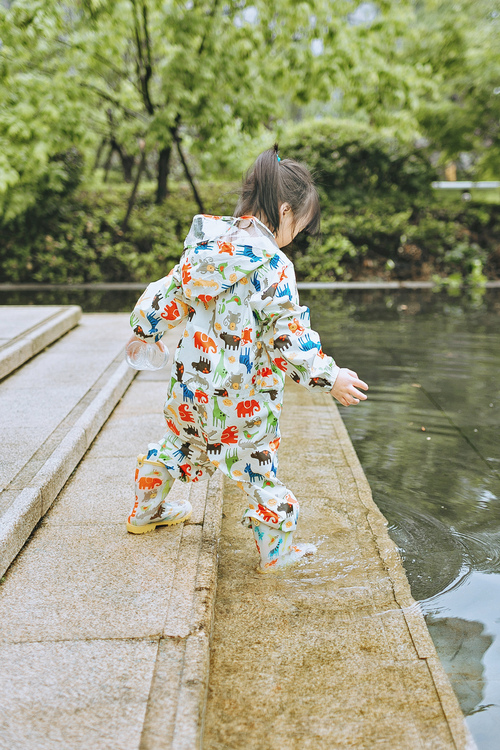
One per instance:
(428,440)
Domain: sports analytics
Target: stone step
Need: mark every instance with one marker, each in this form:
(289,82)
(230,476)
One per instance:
(104,634)
(51,410)
(25,331)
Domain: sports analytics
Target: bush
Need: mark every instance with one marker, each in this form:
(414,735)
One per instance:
(353,164)
(380,218)
(83,242)
(380,214)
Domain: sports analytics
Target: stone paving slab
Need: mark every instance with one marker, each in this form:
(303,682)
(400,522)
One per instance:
(104,636)
(25,331)
(332,653)
(52,408)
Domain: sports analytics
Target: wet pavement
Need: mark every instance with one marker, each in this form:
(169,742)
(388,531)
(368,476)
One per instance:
(333,652)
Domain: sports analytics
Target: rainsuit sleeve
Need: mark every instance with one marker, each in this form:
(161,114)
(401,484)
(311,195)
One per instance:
(294,347)
(162,306)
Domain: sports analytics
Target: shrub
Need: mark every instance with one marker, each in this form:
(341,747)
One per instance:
(353,164)
(380,214)
(83,241)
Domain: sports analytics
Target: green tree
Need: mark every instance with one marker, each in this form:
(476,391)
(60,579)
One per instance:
(459,40)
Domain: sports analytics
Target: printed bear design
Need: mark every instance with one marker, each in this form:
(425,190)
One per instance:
(214,448)
(155,304)
(282,342)
(232,342)
(263,457)
(202,366)
(319,382)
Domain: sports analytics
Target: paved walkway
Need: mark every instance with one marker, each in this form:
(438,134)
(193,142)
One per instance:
(334,653)
(105,636)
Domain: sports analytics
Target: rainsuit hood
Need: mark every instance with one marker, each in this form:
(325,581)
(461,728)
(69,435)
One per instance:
(219,251)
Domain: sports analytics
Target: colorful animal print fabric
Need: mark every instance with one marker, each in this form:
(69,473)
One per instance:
(244,330)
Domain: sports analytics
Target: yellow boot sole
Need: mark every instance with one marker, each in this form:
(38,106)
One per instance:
(152,526)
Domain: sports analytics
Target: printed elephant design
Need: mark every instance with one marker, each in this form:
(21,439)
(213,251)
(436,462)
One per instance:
(149,483)
(185,413)
(230,435)
(204,342)
(247,408)
(267,515)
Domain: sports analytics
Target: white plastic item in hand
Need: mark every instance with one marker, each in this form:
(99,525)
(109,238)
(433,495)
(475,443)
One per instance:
(143,356)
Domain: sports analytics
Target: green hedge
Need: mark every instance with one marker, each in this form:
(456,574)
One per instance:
(83,242)
(380,214)
(380,218)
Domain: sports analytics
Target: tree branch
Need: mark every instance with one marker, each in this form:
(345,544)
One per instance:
(108,98)
(188,174)
(102,59)
(208,27)
(141,67)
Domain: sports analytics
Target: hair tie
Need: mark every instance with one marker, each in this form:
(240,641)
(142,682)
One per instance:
(278,157)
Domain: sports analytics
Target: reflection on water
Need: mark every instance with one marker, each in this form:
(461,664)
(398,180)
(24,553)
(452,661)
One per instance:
(427,438)
(462,645)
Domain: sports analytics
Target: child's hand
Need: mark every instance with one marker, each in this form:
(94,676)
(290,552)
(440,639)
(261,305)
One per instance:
(344,389)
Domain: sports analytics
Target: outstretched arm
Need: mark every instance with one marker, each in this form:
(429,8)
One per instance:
(162,306)
(294,346)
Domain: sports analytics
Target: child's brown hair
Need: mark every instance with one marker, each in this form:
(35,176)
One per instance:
(271,182)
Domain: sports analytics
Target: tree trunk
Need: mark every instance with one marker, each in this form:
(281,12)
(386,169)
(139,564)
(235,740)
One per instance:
(107,166)
(131,200)
(163,172)
(127,160)
(99,153)
(189,176)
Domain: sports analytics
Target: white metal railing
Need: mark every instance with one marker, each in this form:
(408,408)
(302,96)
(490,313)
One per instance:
(465,184)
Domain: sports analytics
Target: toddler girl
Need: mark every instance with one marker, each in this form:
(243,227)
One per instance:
(235,294)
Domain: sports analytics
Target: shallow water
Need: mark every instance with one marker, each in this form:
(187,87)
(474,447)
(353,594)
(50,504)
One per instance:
(428,440)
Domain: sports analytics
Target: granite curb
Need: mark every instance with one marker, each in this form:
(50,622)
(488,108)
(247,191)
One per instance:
(19,520)
(176,721)
(31,342)
(411,610)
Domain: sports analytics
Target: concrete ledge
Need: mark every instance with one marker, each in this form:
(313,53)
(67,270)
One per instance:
(334,652)
(133,286)
(32,503)
(411,610)
(19,350)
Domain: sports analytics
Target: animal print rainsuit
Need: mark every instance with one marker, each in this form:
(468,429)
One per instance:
(235,292)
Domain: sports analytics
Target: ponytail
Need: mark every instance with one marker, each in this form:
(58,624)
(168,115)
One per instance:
(273,181)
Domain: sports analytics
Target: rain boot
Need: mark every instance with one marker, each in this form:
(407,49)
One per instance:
(153,482)
(276,548)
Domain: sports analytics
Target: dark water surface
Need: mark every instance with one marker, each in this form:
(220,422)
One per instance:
(428,440)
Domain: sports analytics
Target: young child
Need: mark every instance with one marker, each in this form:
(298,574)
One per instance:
(234,291)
